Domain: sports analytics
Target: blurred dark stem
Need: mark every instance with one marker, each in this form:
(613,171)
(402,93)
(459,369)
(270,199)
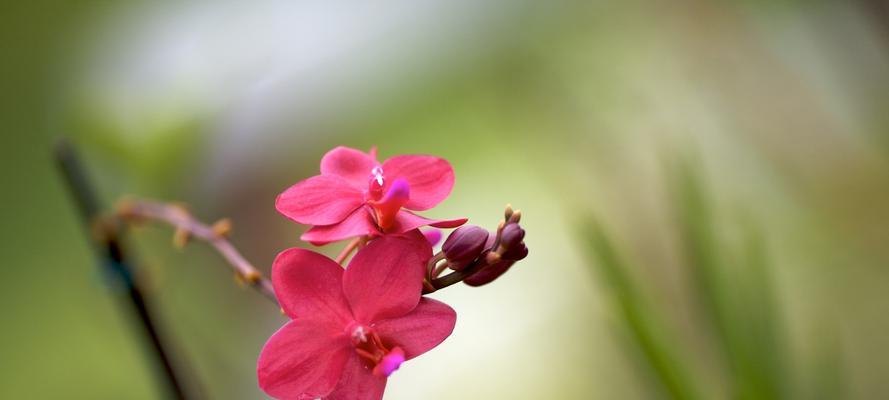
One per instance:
(878,11)
(106,241)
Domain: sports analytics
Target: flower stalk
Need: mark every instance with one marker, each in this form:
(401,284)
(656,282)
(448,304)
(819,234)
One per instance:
(347,251)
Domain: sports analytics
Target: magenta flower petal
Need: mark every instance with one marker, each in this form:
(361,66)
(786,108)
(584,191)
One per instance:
(358,383)
(351,329)
(304,357)
(407,221)
(385,278)
(307,284)
(433,236)
(319,200)
(430,178)
(429,324)
(359,223)
(350,164)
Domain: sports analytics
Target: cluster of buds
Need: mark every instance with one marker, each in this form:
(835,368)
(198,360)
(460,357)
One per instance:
(478,256)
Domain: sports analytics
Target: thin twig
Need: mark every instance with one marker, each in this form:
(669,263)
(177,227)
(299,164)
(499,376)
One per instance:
(430,265)
(187,226)
(437,284)
(354,244)
(439,269)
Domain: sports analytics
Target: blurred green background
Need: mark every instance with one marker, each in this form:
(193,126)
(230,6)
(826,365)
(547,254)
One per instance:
(705,186)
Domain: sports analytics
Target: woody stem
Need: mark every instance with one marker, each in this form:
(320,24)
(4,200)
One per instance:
(189,226)
(430,265)
(439,269)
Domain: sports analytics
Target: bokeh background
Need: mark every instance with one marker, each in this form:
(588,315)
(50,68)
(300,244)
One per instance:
(705,186)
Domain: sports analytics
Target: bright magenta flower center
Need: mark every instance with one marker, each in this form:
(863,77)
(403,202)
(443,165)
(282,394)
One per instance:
(386,205)
(383,359)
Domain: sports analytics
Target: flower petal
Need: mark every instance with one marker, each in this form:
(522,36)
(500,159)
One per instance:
(350,164)
(309,285)
(430,178)
(319,200)
(406,221)
(420,330)
(385,278)
(358,382)
(359,223)
(303,359)
(433,236)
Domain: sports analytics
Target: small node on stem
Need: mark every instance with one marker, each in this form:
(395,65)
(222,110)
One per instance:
(222,228)
(102,228)
(252,277)
(239,279)
(126,208)
(181,238)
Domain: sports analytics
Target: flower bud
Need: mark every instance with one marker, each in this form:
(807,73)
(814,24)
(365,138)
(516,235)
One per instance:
(512,235)
(512,246)
(489,273)
(510,249)
(507,213)
(515,253)
(464,245)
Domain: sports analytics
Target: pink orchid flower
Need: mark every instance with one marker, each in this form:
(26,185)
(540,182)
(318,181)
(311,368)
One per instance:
(350,330)
(355,195)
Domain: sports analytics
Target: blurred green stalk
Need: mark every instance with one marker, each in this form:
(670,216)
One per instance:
(734,294)
(646,330)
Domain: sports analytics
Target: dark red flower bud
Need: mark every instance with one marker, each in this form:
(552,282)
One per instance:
(512,235)
(497,261)
(488,273)
(464,245)
(516,252)
(512,245)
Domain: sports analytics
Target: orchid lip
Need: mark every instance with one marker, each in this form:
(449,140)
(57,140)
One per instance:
(386,208)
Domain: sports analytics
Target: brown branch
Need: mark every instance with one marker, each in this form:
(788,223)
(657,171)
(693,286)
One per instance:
(187,227)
